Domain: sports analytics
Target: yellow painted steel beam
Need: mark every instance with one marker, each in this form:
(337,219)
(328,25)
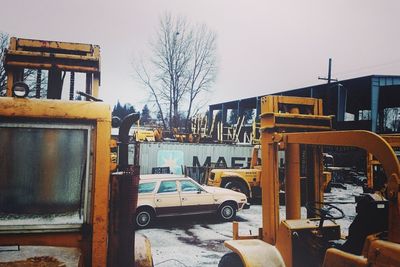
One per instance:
(100,194)
(270,188)
(42,108)
(373,144)
(292,181)
(273,103)
(47,66)
(318,174)
(46,55)
(369,141)
(289,120)
(26,43)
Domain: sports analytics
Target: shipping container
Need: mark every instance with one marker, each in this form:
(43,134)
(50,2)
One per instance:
(178,155)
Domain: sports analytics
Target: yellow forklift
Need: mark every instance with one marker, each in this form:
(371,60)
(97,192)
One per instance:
(291,124)
(66,198)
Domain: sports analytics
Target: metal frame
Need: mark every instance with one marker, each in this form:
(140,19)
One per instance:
(53,56)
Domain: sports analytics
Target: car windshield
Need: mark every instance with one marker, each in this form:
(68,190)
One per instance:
(189,186)
(147,187)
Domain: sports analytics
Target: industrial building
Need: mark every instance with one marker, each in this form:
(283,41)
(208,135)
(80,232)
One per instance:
(368,103)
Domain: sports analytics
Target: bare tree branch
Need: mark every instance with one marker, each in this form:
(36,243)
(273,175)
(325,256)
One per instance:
(3,78)
(182,66)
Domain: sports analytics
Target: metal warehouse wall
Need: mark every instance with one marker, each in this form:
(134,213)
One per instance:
(176,155)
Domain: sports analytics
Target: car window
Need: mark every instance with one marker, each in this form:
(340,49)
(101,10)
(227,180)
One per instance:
(167,186)
(189,186)
(147,187)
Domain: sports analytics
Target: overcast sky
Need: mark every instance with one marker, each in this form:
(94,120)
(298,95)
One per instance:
(263,46)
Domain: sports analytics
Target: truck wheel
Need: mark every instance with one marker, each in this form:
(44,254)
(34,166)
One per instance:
(238,187)
(230,260)
(143,218)
(227,212)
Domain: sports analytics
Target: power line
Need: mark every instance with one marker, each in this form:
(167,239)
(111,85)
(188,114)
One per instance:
(369,67)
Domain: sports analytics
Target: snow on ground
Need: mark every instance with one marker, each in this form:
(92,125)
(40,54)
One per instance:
(345,195)
(198,240)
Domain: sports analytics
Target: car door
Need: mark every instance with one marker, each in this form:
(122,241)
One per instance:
(195,199)
(167,199)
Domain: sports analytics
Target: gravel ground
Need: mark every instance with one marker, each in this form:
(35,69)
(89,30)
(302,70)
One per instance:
(198,240)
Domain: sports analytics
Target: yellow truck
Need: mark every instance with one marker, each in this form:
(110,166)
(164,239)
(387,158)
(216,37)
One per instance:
(246,181)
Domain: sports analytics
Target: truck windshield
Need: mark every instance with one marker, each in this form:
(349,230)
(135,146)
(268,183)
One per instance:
(43,173)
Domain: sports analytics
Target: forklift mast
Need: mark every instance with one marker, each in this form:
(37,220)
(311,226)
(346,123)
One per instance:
(286,124)
(57,58)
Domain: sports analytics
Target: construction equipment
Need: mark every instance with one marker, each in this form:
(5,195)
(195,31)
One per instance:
(297,241)
(246,181)
(58,188)
(374,169)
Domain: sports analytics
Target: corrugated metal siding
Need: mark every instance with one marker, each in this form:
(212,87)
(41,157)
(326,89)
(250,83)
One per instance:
(176,154)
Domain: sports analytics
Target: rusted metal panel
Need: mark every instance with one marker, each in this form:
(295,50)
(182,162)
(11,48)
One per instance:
(123,201)
(54,45)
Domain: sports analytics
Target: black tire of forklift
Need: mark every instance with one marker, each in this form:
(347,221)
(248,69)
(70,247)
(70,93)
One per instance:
(230,259)
(238,187)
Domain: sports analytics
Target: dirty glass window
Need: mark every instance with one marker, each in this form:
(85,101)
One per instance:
(43,173)
(189,186)
(167,187)
(147,187)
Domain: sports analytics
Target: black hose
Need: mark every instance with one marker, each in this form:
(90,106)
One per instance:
(123,137)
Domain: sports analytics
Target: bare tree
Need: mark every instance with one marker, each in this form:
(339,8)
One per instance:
(181,67)
(3,77)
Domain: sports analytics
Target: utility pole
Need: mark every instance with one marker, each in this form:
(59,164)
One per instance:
(329,79)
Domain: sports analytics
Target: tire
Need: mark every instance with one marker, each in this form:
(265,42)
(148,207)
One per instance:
(238,187)
(143,218)
(230,260)
(227,212)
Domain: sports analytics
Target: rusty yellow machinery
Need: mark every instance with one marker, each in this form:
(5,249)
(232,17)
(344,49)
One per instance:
(291,124)
(374,170)
(246,181)
(58,188)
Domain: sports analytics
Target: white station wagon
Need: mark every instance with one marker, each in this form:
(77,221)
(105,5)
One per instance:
(169,195)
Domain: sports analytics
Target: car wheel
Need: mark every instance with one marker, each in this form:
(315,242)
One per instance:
(238,187)
(230,260)
(143,218)
(227,212)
